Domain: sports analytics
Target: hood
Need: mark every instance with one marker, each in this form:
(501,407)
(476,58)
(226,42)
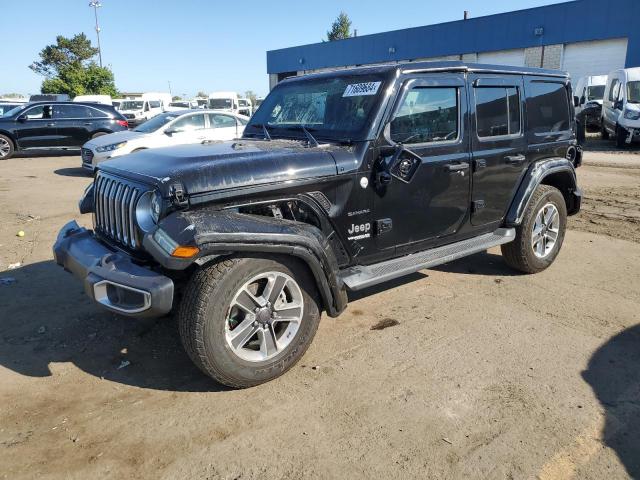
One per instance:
(116,137)
(223,166)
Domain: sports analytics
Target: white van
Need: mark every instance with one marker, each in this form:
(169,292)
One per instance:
(140,109)
(621,106)
(225,101)
(588,93)
(245,107)
(103,99)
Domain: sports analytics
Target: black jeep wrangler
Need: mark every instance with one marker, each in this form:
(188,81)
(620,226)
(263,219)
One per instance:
(342,180)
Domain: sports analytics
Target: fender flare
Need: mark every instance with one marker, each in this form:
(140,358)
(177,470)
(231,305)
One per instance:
(222,233)
(563,173)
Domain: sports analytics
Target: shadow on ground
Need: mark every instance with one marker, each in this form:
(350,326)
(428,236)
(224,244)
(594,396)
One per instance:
(73,172)
(47,153)
(594,143)
(614,376)
(47,318)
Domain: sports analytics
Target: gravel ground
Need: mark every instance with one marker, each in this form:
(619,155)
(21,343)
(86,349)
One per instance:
(482,373)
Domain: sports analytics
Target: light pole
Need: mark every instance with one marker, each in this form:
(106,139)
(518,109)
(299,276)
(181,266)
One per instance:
(96,5)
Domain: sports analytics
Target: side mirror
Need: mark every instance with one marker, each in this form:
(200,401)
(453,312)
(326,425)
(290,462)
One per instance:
(617,105)
(582,99)
(170,131)
(23,118)
(576,101)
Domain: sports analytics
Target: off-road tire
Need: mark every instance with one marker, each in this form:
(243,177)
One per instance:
(621,137)
(203,311)
(604,133)
(9,142)
(519,254)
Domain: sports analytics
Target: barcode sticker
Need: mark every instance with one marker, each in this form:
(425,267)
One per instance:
(358,89)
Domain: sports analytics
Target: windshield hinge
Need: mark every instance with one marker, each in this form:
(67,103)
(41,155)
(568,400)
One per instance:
(178,195)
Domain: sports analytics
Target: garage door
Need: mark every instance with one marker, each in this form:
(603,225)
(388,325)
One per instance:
(594,58)
(503,57)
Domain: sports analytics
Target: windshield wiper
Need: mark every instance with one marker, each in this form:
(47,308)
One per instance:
(311,140)
(265,131)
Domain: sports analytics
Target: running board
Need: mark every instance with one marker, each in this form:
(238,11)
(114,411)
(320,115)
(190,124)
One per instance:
(363,276)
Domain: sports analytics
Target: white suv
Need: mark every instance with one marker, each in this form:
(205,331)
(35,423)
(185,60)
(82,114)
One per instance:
(166,129)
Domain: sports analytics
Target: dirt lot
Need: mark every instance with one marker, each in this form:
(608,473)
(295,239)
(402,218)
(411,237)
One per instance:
(489,374)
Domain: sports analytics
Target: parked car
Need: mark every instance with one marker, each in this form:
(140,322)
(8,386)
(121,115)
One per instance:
(224,101)
(49,97)
(141,109)
(46,125)
(342,180)
(104,99)
(181,105)
(171,128)
(621,107)
(6,106)
(245,107)
(588,94)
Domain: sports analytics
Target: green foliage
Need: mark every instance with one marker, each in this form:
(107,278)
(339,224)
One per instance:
(202,94)
(69,68)
(340,29)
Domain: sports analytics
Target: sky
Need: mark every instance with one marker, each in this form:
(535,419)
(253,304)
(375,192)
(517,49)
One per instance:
(203,45)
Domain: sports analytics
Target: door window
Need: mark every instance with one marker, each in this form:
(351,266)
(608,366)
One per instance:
(427,115)
(221,121)
(188,123)
(497,111)
(71,111)
(615,89)
(39,112)
(548,107)
(154,103)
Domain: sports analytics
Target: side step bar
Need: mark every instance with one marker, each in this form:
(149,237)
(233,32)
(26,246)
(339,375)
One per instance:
(363,276)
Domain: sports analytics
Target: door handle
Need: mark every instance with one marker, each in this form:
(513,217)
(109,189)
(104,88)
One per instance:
(51,124)
(456,167)
(87,123)
(515,159)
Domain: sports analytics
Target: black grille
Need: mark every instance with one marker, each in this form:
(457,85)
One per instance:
(115,207)
(87,155)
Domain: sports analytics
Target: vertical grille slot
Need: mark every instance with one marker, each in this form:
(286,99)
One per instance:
(115,203)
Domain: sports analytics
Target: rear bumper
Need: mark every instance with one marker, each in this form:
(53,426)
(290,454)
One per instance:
(110,278)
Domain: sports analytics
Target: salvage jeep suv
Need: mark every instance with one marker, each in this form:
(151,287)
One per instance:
(342,180)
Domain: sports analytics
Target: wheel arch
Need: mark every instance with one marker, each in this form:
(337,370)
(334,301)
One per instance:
(556,172)
(11,137)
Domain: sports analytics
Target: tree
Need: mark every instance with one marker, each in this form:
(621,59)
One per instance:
(251,96)
(202,94)
(68,67)
(11,95)
(340,29)
(176,97)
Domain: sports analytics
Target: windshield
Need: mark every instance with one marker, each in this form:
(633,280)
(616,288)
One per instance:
(220,103)
(595,92)
(633,92)
(131,105)
(336,108)
(155,123)
(9,110)
(242,103)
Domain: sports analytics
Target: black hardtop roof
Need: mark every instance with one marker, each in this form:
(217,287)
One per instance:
(67,102)
(442,66)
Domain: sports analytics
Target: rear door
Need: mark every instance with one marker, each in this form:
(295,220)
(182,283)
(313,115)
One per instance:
(74,124)
(38,130)
(222,127)
(498,144)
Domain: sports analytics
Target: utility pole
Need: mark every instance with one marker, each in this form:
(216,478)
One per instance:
(169,82)
(96,5)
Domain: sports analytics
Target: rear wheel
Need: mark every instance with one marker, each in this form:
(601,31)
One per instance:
(604,133)
(6,148)
(245,321)
(540,235)
(581,132)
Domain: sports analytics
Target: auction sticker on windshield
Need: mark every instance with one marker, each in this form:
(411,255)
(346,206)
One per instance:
(358,89)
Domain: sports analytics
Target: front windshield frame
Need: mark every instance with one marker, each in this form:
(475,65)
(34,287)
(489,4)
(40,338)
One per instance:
(127,105)
(156,123)
(633,91)
(306,86)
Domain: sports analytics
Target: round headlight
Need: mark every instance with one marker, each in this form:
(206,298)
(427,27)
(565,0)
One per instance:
(148,210)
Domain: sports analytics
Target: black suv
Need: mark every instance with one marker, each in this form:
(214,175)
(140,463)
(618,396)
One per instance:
(56,125)
(342,180)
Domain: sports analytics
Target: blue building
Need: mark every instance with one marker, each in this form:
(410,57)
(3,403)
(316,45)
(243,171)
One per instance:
(582,37)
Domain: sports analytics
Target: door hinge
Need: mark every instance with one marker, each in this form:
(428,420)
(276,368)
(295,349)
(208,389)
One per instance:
(383,225)
(477,205)
(178,195)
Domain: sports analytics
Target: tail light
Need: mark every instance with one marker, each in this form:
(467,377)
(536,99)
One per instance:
(123,123)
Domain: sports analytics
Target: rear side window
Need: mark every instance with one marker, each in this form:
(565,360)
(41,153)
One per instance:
(497,111)
(427,115)
(154,103)
(548,107)
(71,111)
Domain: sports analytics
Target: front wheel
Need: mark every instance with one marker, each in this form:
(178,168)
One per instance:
(540,235)
(621,137)
(245,321)
(6,148)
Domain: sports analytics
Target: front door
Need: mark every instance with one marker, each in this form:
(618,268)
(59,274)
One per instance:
(38,129)
(499,145)
(222,127)
(427,197)
(188,129)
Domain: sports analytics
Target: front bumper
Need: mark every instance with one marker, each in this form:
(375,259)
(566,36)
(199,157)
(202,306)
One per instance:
(110,277)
